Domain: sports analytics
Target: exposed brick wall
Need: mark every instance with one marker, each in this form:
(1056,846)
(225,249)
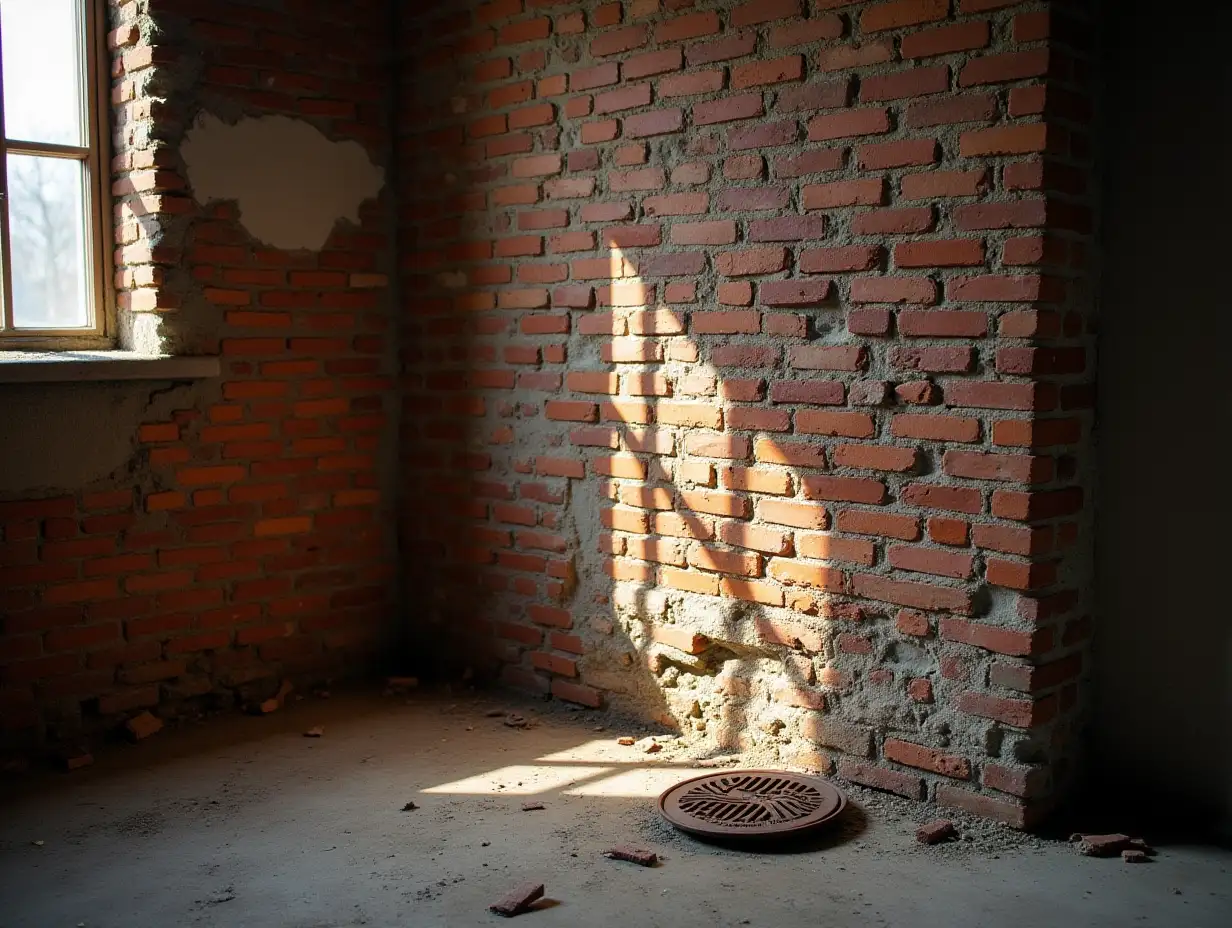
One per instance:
(749,372)
(249,535)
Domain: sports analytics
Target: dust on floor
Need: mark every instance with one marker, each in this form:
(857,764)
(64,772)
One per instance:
(245,822)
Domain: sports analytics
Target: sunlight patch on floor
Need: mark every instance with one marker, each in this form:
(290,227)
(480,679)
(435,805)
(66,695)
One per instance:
(519,780)
(641,783)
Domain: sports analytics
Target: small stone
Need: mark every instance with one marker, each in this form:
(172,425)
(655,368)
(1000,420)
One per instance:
(627,742)
(409,807)
(629,852)
(38,843)
(315,732)
(274,703)
(142,725)
(532,806)
(402,683)
(1134,857)
(494,713)
(936,832)
(517,900)
(76,758)
(513,720)
(485,843)
(653,748)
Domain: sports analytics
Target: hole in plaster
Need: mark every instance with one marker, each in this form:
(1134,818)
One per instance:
(291,182)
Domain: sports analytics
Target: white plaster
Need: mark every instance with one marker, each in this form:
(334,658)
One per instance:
(291,182)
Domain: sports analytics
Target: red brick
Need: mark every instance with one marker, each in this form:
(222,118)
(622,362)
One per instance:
(951,109)
(728,109)
(942,184)
(908,152)
(931,561)
(869,121)
(900,221)
(869,192)
(762,11)
(1013,66)
(618,40)
(925,758)
(898,13)
(774,71)
(918,595)
(942,40)
(688,26)
(940,253)
(878,778)
(724,49)
(915,82)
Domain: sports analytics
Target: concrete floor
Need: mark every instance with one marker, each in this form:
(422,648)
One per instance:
(244,822)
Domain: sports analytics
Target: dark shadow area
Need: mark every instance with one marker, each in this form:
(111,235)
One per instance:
(1161,760)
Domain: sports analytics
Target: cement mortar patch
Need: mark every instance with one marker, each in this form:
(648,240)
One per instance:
(62,437)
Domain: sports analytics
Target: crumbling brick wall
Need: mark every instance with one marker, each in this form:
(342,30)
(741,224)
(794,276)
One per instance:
(749,372)
(246,535)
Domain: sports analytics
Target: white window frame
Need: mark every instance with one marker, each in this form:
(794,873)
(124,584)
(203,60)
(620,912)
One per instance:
(97,224)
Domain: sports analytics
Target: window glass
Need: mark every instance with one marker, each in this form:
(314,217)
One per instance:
(47,242)
(42,70)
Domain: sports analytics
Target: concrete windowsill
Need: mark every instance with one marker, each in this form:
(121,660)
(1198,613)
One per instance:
(84,366)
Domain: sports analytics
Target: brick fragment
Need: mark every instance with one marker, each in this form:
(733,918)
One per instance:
(633,854)
(518,900)
(936,832)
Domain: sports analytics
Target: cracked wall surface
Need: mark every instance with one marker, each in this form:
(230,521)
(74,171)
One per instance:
(183,546)
(750,369)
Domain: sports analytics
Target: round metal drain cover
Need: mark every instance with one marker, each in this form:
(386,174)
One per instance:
(750,803)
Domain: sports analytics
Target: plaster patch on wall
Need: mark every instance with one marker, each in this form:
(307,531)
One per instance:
(291,182)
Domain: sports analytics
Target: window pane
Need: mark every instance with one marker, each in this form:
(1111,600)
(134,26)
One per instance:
(47,241)
(42,70)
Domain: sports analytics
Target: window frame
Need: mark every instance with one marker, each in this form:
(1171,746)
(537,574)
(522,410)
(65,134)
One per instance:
(99,232)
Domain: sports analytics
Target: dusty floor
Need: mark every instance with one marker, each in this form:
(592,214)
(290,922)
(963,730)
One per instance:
(245,822)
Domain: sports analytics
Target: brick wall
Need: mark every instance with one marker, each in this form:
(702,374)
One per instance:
(748,372)
(248,534)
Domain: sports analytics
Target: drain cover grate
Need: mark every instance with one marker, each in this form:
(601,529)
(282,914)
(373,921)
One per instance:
(750,803)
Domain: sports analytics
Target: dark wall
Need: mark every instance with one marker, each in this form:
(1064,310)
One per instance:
(1164,662)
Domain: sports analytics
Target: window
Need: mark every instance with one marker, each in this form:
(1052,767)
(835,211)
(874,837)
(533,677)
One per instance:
(54,228)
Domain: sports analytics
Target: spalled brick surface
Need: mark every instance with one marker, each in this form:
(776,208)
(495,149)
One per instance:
(796,323)
(247,537)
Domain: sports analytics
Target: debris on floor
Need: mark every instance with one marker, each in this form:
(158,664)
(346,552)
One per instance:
(626,741)
(518,900)
(726,761)
(315,732)
(38,843)
(75,758)
(629,852)
(936,832)
(142,725)
(514,720)
(1134,857)
(274,703)
(1108,845)
(495,713)
(410,807)
(532,806)
(402,683)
